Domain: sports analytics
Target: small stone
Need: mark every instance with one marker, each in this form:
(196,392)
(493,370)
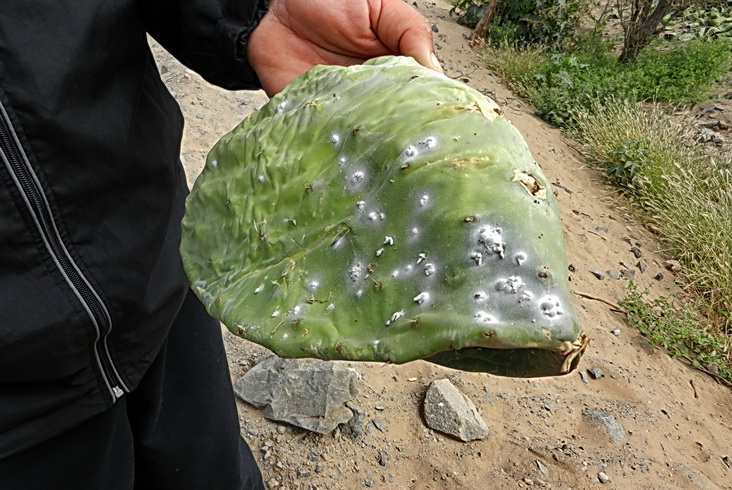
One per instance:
(628,273)
(597,273)
(379,424)
(368,482)
(448,410)
(602,229)
(616,332)
(544,470)
(602,476)
(303,473)
(615,274)
(434,28)
(529,481)
(636,252)
(596,373)
(615,431)
(659,276)
(642,266)
(672,265)
(583,377)
(273,483)
(253,432)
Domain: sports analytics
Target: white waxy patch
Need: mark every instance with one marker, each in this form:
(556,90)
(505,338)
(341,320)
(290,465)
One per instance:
(520,258)
(357,177)
(341,160)
(259,289)
(296,310)
(335,139)
(477,258)
(429,269)
(292,221)
(276,313)
(313,285)
(414,231)
(492,240)
(282,106)
(408,268)
(388,240)
(421,257)
(285,336)
(424,200)
(551,306)
(379,252)
(359,293)
(261,179)
(510,285)
(360,205)
(429,143)
(373,216)
(382,215)
(421,297)
(355,272)
(394,317)
(480,296)
(214,163)
(525,297)
(410,151)
(330,307)
(484,318)
(395,274)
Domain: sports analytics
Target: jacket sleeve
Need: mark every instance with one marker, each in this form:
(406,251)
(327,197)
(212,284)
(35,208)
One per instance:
(208,36)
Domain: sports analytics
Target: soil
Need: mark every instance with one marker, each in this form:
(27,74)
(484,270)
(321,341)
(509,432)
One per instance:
(678,420)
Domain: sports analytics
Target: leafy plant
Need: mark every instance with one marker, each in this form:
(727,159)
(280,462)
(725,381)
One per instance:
(675,326)
(626,161)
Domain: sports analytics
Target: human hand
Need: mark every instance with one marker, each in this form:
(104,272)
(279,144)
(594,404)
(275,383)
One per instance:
(298,34)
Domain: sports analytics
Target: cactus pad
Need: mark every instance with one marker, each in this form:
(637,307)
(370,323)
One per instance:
(384,212)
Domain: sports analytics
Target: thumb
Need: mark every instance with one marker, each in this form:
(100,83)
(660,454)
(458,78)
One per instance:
(404,31)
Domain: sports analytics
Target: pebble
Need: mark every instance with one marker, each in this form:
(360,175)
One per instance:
(642,266)
(602,476)
(629,273)
(379,424)
(616,332)
(583,377)
(597,273)
(603,229)
(659,276)
(368,482)
(596,373)
(615,274)
(636,252)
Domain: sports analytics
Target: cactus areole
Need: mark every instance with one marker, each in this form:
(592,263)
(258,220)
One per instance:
(384,212)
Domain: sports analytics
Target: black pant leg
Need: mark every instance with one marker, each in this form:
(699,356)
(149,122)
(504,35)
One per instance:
(95,455)
(184,417)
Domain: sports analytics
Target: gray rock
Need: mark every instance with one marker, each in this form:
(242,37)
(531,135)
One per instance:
(614,273)
(449,411)
(614,430)
(596,373)
(307,393)
(354,427)
(628,273)
(602,476)
(597,273)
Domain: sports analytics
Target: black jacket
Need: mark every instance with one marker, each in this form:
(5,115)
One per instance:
(91,195)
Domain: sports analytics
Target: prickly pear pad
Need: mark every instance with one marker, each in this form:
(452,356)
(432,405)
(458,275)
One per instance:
(383,212)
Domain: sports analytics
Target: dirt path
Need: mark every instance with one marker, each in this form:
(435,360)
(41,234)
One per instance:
(677,421)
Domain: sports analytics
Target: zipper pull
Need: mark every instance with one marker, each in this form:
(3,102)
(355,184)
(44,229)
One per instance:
(117,391)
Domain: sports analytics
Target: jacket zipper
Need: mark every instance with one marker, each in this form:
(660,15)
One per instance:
(35,200)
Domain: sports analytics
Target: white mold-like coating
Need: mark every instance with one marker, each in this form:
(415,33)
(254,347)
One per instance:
(520,258)
(388,240)
(356,271)
(410,151)
(421,297)
(373,216)
(480,296)
(429,142)
(484,318)
(330,307)
(492,240)
(394,317)
(551,306)
(284,336)
(357,178)
(214,163)
(424,200)
(360,205)
(477,258)
(341,160)
(379,252)
(261,179)
(259,289)
(276,313)
(429,269)
(382,215)
(282,106)
(395,273)
(421,257)
(414,231)
(510,285)
(335,139)
(292,221)
(408,268)
(295,311)
(525,297)
(313,285)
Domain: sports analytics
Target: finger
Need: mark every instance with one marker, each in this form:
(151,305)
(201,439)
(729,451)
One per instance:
(404,31)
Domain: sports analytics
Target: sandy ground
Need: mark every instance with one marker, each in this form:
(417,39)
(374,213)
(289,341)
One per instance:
(678,421)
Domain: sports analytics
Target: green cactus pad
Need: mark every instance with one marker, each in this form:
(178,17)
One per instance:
(384,212)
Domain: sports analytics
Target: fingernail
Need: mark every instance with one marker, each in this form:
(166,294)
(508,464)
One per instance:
(436,63)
